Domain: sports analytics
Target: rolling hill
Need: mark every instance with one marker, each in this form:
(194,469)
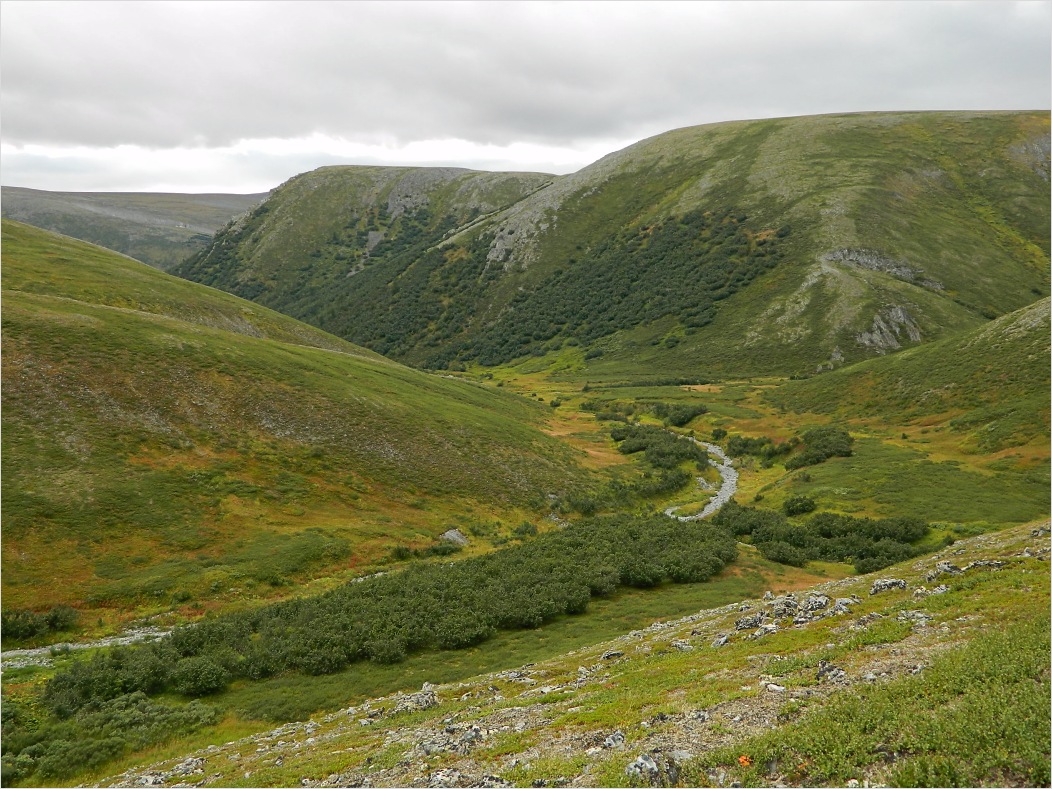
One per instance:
(160,229)
(757,247)
(168,444)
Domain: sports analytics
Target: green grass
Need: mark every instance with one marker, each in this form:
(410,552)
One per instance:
(978,716)
(153,453)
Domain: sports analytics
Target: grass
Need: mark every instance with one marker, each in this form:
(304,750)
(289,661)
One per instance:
(178,464)
(978,716)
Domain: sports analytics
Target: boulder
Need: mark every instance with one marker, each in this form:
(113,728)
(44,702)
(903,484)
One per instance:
(454,536)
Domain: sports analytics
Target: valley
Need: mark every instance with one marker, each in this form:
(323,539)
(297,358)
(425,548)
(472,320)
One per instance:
(495,479)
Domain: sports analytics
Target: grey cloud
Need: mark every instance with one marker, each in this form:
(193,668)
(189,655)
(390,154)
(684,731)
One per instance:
(167,74)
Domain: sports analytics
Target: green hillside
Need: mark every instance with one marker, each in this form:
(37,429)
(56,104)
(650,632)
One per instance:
(167,444)
(160,229)
(756,247)
(990,384)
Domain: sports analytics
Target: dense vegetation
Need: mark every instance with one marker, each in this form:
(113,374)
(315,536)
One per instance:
(868,544)
(426,606)
(680,267)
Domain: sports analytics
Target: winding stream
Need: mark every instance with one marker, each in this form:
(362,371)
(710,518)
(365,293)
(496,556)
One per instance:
(728,474)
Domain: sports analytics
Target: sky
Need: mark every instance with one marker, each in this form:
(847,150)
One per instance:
(240,96)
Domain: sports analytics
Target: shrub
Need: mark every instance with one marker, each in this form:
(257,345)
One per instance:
(798,505)
(198,676)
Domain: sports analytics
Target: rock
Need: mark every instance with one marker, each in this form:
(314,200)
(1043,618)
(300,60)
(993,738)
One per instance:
(610,654)
(720,641)
(444,778)
(827,671)
(644,768)
(940,589)
(699,715)
(1040,531)
(815,602)
(681,645)
(615,740)
(454,536)
(425,699)
(192,765)
(765,630)
(492,782)
(993,564)
(841,606)
(883,584)
(775,688)
(749,622)
(768,595)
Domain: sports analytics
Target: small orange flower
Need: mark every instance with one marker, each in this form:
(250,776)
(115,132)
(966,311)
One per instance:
(744,761)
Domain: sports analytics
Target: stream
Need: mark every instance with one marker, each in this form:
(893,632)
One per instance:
(729,477)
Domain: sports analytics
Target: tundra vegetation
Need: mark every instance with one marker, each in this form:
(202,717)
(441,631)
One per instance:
(874,360)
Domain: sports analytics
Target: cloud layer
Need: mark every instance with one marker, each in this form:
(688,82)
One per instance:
(514,85)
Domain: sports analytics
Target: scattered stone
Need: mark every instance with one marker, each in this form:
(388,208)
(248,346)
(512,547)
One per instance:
(681,645)
(775,688)
(1040,531)
(768,595)
(699,715)
(841,606)
(720,641)
(883,584)
(827,671)
(940,589)
(615,740)
(765,630)
(492,782)
(610,654)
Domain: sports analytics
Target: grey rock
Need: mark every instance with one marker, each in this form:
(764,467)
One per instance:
(444,778)
(615,740)
(815,602)
(827,671)
(681,645)
(610,654)
(940,589)
(424,700)
(454,536)
(750,622)
(884,584)
(720,640)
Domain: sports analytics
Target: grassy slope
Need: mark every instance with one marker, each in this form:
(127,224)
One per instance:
(991,383)
(167,443)
(156,228)
(941,690)
(954,204)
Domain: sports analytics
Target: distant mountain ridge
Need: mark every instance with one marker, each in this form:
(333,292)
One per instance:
(775,246)
(160,229)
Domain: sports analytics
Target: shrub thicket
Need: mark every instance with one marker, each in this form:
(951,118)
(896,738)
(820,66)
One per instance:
(868,544)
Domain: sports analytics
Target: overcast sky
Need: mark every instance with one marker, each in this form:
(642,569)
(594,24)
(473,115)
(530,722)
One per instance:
(237,97)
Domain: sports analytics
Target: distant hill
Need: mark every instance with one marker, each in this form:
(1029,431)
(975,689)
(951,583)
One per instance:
(167,443)
(775,246)
(159,229)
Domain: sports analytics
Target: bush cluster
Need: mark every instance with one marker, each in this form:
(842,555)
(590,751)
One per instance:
(99,731)
(427,606)
(21,623)
(868,544)
(820,444)
(660,448)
